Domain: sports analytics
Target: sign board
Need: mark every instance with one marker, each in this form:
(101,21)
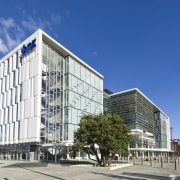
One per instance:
(28,47)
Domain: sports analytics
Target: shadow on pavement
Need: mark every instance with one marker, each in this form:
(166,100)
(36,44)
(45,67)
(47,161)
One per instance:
(26,166)
(146,176)
(42,173)
(45,163)
(29,164)
(117,176)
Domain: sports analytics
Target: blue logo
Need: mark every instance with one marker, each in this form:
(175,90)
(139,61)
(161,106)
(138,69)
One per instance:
(28,47)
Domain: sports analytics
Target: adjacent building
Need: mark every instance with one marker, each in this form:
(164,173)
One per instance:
(150,126)
(175,147)
(44,91)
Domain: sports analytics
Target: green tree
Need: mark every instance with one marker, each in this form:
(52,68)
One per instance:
(107,132)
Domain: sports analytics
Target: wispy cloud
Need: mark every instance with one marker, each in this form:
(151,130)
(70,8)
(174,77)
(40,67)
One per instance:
(12,31)
(7,23)
(56,18)
(9,34)
(31,24)
(3,47)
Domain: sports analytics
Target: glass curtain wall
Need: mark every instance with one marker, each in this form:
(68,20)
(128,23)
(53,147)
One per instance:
(145,114)
(83,95)
(136,110)
(160,130)
(125,106)
(52,95)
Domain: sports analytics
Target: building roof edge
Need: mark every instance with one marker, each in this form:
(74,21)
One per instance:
(136,89)
(70,53)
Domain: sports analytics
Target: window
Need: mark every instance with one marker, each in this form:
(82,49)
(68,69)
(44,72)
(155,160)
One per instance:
(8,67)
(17,60)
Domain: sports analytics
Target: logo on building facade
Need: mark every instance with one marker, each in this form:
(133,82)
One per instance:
(28,47)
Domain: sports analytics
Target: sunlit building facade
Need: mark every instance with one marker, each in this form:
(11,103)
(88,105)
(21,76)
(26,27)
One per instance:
(44,91)
(150,126)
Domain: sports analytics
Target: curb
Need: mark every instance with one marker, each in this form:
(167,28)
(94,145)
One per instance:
(117,166)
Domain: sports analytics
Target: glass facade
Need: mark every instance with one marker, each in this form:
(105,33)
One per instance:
(125,106)
(150,127)
(145,113)
(136,110)
(52,95)
(160,130)
(83,95)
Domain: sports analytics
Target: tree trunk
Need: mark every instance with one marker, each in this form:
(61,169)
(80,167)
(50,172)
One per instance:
(97,157)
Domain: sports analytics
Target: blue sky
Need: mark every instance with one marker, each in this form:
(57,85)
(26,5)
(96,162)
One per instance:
(133,43)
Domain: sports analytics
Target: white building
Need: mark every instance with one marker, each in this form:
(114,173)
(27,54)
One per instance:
(44,91)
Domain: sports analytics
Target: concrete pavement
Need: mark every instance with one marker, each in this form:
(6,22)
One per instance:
(79,170)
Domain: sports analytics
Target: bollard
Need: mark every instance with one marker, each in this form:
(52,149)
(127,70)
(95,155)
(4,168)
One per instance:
(142,161)
(151,161)
(168,159)
(178,160)
(175,163)
(161,162)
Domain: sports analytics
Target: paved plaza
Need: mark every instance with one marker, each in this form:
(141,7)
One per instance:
(80,170)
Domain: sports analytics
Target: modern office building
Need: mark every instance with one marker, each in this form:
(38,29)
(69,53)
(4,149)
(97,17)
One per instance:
(44,91)
(150,126)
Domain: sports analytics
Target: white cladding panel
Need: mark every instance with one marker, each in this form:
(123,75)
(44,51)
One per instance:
(1,101)
(11,132)
(13,63)
(7,83)
(37,107)
(11,80)
(10,114)
(20,94)
(3,85)
(1,116)
(1,70)
(22,110)
(10,64)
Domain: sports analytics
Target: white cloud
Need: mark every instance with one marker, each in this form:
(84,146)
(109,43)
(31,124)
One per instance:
(7,23)
(11,42)
(13,31)
(8,30)
(32,25)
(3,47)
(11,34)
